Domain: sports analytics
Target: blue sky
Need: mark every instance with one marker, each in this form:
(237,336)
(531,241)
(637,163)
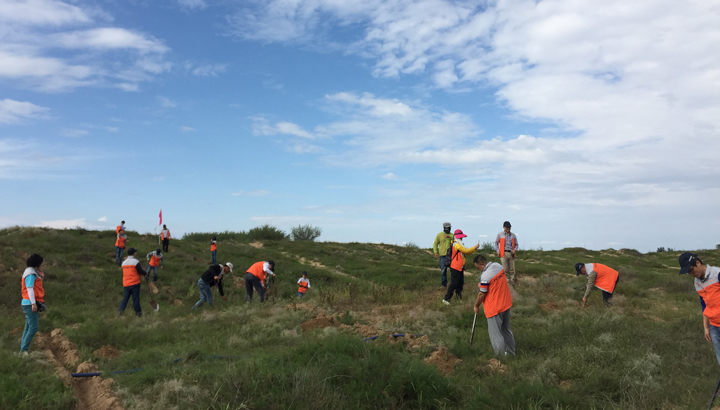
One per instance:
(375,120)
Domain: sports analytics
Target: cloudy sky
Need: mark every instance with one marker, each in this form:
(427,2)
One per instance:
(583,123)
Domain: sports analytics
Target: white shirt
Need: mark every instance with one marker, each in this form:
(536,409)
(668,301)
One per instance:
(304,280)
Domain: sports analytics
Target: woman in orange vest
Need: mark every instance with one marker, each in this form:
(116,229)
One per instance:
(599,276)
(120,246)
(213,249)
(165,237)
(255,278)
(33,298)
(303,284)
(457,266)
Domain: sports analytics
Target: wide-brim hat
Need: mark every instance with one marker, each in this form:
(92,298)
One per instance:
(229,265)
(459,234)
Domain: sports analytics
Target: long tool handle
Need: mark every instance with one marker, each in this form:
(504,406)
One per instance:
(712,399)
(472,334)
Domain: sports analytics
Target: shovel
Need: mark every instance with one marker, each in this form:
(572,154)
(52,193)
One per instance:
(712,400)
(472,334)
(153,303)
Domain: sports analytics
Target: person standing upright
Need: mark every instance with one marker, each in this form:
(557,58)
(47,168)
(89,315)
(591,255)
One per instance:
(165,238)
(213,249)
(506,244)
(132,272)
(457,266)
(33,296)
(255,278)
(156,261)
(494,296)
(120,246)
(707,285)
(441,244)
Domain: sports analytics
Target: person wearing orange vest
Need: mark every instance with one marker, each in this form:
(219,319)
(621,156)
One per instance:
(506,244)
(132,272)
(457,266)
(707,285)
(494,296)
(303,284)
(120,227)
(165,238)
(33,298)
(599,276)
(255,278)
(120,246)
(156,259)
(213,249)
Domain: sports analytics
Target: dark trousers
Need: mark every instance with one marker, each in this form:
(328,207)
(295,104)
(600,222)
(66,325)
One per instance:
(252,281)
(214,257)
(607,296)
(443,271)
(133,291)
(166,243)
(457,281)
(119,255)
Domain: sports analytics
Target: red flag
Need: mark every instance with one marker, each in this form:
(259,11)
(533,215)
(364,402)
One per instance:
(160,217)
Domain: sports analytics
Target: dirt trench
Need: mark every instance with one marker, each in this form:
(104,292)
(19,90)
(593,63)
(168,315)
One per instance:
(91,393)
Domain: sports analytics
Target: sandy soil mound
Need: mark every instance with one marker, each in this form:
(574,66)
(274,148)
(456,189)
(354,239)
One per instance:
(176,302)
(320,321)
(256,244)
(443,360)
(416,343)
(62,349)
(302,306)
(566,384)
(17,330)
(95,393)
(496,366)
(550,307)
(153,288)
(107,352)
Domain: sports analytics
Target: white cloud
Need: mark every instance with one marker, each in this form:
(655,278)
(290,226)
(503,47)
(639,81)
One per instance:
(258,192)
(390,177)
(73,132)
(166,102)
(12,111)
(102,219)
(185,128)
(209,70)
(193,4)
(109,38)
(64,223)
(41,12)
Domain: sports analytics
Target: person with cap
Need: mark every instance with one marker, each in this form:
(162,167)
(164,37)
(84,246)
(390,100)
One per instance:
(213,249)
(211,277)
(599,276)
(496,300)
(255,278)
(33,298)
(132,272)
(707,285)
(165,238)
(156,259)
(120,240)
(506,244)
(457,266)
(440,245)
(303,284)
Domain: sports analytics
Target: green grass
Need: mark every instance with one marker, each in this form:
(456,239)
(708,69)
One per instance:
(647,352)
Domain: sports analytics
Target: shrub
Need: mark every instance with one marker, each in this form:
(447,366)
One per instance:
(305,233)
(267,232)
(411,245)
(661,249)
(487,247)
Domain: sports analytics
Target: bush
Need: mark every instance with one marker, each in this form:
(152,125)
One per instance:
(267,232)
(487,247)
(305,233)
(411,245)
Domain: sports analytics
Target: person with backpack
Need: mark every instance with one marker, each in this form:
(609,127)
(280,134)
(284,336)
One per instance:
(457,266)
(303,284)
(213,249)
(33,299)
(156,260)
(120,240)
(211,277)
(440,246)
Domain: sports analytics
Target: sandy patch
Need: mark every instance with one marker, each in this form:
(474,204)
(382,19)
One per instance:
(320,321)
(386,249)
(416,343)
(16,330)
(443,360)
(107,352)
(257,245)
(495,366)
(176,302)
(301,306)
(550,307)
(60,347)
(566,384)
(655,318)
(153,288)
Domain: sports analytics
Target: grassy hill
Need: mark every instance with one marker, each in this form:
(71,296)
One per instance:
(647,352)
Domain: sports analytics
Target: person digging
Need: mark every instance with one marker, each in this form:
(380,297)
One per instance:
(494,296)
(212,277)
(255,279)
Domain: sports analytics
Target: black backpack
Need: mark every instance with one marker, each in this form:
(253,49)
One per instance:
(448,255)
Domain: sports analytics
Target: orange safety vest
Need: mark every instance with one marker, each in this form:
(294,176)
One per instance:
(498,297)
(118,229)
(130,274)
(162,234)
(257,270)
(458,262)
(120,242)
(154,260)
(303,286)
(37,288)
(606,277)
(213,247)
(502,246)
(709,291)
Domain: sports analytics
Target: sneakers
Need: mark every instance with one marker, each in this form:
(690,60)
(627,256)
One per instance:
(447,302)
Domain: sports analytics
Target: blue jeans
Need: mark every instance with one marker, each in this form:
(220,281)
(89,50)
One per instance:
(205,293)
(31,327)
(443,271)
(214,256)
(154,270)
(133,291)
(715,336)
(118,255)
(301,294)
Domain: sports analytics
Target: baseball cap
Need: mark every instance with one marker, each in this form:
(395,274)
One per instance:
(506,224)
(459,234)
(446,225)
(304,273)
(132,251)
(229,265)
(578,266)
(687,260)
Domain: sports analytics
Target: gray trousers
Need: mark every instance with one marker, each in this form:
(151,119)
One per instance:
(501,336)
(508,264)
